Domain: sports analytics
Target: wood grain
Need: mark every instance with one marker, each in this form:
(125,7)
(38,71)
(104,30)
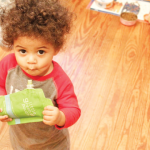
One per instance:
(109,65)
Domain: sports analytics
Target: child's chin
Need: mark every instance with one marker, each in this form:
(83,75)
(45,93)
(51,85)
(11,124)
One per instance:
(32,72)
(35,73)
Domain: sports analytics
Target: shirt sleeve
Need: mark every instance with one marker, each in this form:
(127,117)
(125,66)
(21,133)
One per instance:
(66,99)
(6,64)
(68,104)
(3,73)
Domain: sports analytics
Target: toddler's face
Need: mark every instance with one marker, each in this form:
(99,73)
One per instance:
(34,55)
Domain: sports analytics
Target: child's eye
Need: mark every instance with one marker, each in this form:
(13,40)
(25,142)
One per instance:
(41,52)
(22,51)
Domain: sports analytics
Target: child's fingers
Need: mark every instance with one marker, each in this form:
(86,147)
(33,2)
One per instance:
(3,117)
(45,121)
(47,113)
(47,118)
(49,107)
(6,120)
(48,122)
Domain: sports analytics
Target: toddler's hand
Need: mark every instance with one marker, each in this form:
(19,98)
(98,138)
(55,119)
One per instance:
(52,116)
(4,118)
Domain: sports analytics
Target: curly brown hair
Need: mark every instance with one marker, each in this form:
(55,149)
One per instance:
(46,19)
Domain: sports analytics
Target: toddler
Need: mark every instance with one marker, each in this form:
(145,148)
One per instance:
(36,31)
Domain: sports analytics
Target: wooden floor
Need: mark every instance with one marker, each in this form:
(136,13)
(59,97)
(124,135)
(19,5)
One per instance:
(109,65)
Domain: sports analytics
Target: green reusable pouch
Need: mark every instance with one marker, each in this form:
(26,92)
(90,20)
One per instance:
(24,106)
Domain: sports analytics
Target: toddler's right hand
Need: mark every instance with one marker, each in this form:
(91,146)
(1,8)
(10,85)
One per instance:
(4,118)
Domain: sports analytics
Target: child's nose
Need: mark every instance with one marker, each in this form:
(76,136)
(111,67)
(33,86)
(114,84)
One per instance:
(31,59)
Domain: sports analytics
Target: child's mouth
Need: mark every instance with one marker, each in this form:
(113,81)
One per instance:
(31,69)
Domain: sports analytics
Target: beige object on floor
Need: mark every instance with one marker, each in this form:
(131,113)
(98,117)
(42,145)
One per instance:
(105,3)
(147,17)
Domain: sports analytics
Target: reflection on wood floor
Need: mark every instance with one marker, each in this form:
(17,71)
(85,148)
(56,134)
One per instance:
(109,65)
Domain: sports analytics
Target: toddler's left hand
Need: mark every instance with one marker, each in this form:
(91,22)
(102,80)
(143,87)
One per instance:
(52,116)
